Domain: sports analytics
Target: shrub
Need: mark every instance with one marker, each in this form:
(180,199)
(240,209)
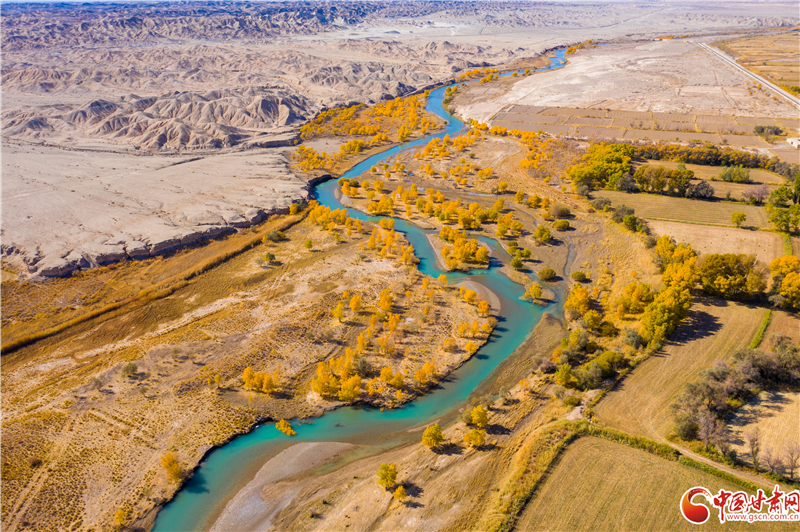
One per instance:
(546,274)
(620,213)
(609,362)
(542,234)
(559,211)
(572,401)
(735,174)
(547,366)
(589,375)
(764,131)
(579,276)
(516,263)
(632,338)
(275,236)
(701,190)
(608,329)
(599,204)
(129,370)
(628,184)
(561,225)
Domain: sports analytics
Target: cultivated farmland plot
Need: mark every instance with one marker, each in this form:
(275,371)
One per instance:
(639,125)
(714,330)
(655,207)
(710,239)
(598,485)
(701,171)
(772,56)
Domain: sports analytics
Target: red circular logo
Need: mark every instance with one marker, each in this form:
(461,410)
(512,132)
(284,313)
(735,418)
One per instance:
(695,513)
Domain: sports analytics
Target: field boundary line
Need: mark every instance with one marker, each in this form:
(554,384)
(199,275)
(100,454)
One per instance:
(761,330)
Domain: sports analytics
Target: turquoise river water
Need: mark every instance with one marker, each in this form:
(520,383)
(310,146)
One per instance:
(229,468)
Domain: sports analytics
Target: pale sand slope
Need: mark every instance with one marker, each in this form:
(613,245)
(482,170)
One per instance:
(483,293)
(63,210)
(711,239)
(252,509)
(660,76)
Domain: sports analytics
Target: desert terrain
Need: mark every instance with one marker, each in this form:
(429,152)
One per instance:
(392,266)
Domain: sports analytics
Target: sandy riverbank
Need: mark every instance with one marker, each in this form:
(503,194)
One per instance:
(483,293)
(253,508)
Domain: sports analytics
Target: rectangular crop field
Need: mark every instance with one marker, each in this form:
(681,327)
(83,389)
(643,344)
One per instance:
(782,324)
(745,140)
(598,485)
(650,206)
(714,330)
(600,132)
(575,111)
(674,117)
(589,121)
(640,125)
(789,155)
(714,119)
(711,239)
(629,115)
(678,136)
(702,171)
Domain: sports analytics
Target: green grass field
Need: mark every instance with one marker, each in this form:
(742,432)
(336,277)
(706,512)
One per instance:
(640,404)
(650,206)
(598,485)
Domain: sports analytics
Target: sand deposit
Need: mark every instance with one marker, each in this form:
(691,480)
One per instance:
(64,210)
(254,507)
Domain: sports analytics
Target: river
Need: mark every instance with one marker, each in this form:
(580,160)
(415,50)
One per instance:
(229,468)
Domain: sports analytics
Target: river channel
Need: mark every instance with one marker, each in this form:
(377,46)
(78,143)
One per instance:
(227,469)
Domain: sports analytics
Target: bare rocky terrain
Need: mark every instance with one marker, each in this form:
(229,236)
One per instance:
(167,81)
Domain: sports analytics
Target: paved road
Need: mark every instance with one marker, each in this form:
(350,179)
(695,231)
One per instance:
(775,88)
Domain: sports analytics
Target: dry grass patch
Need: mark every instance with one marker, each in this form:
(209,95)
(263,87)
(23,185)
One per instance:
(783,324)
(598,485)
(655,207)
(711,239)
(777,416)
(714,330)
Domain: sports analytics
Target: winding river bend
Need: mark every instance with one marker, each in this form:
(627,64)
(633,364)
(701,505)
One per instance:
(229,468)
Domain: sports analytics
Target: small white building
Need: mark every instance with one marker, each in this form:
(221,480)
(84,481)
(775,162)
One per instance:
(795,143)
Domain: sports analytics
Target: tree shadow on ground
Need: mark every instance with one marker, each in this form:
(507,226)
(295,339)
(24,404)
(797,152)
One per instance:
(449,449)
(497,430)
(699,324)
(414,492)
